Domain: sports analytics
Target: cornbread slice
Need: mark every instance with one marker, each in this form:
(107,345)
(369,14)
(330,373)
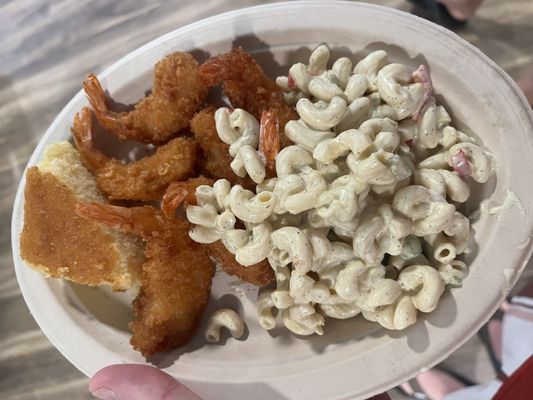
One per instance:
(60,244)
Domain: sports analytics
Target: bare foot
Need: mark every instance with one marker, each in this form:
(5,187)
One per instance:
(461,10)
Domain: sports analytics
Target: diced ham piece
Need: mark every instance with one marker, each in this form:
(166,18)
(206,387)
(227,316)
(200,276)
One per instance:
(460,164)
(421,75)
(290,82)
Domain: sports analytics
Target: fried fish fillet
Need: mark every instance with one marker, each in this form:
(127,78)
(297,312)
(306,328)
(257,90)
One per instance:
(57,242)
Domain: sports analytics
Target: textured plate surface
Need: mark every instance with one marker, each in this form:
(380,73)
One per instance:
(354,359)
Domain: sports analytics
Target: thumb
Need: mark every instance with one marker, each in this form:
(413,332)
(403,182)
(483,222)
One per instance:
(137,382)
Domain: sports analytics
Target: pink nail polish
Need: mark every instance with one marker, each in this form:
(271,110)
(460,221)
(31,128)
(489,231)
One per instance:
(104,394)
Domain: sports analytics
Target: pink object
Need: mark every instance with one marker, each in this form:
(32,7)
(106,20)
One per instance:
(437,384)
(290,82)
(137,382)
(460,164)
(526,291)
(434,383)
(526,84)
(406,387)
(421,75)
(495,337)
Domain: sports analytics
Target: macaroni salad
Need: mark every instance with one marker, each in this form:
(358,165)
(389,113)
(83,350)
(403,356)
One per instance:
(361,218)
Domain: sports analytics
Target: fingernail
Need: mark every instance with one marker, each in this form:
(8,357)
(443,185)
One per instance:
(104,394)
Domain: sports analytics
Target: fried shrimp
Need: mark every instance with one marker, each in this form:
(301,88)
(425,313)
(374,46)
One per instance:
(175,280)
(179,192)
(269,140)
(247,86)
(145,179)
(215,159)
(176,94)
(260,274)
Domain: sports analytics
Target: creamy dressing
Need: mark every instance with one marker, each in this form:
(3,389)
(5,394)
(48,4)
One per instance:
(510,200)
(352,143)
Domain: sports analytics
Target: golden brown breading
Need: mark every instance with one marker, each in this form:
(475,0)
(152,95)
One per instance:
(260,274)
(58,243)
(176,95)
(145,179)
(179,192)
(175,281)
(247,86)
(215,159)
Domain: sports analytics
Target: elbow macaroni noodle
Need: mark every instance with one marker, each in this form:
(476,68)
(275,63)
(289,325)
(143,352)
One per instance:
(394,87)
(361,217)
(224,318)
(250,207)
(380,233)
(257,247)
(240,130)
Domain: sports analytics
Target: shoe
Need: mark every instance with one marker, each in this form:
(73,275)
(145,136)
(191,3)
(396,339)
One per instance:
(436,12)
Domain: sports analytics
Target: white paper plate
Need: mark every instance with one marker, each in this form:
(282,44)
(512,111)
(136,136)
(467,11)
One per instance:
(354,359)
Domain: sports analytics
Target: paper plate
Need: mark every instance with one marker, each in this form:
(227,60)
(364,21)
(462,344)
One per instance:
(354,359)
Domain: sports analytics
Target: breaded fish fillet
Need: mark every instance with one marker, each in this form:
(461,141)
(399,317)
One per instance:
(57,242)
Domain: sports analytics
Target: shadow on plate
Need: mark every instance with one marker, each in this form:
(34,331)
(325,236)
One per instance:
(101,303)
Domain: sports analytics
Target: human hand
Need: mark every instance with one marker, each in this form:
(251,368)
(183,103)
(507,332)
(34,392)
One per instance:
(137,382)
(142,382)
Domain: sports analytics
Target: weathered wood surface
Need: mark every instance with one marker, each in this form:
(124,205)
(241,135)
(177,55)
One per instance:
(46,49)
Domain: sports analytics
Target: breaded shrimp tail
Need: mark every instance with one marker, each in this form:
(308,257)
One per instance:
(176,95)
(182,192)
(175,281)
(145,179)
